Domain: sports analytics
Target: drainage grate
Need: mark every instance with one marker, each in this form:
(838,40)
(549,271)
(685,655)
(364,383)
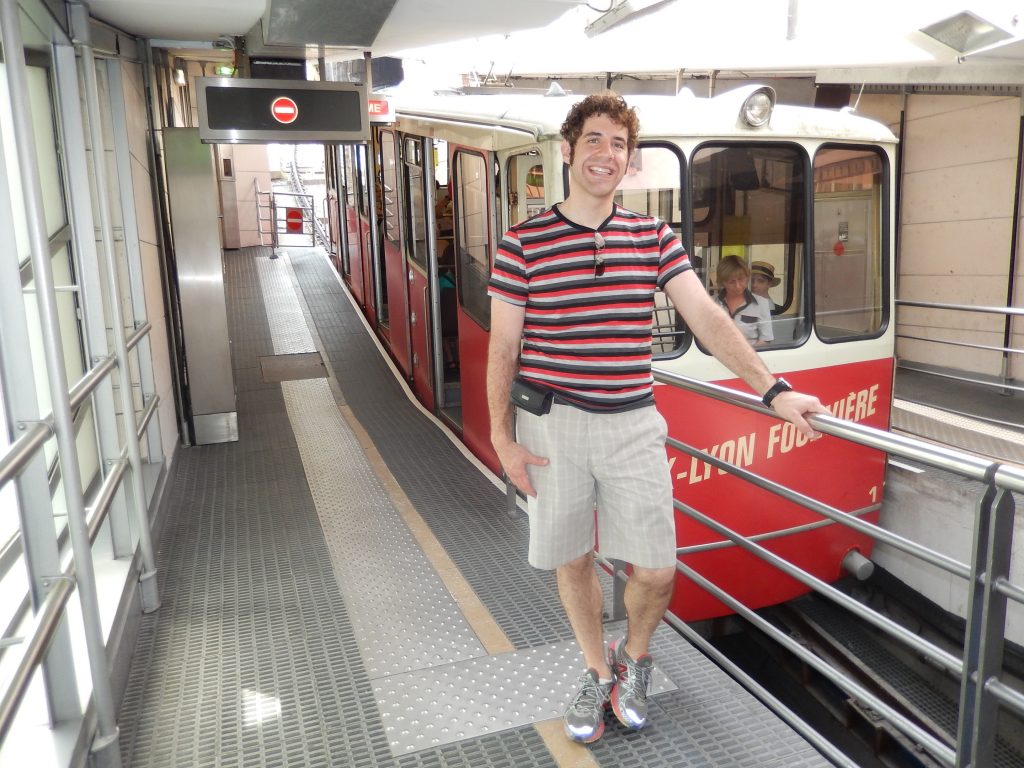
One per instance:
(305,365)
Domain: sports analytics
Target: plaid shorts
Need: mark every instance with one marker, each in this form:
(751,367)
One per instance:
(614,460)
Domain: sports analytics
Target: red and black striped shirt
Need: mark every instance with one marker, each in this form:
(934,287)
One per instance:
(587,329)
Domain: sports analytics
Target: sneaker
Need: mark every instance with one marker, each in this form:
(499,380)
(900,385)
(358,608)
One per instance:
(632,679)
(584,717)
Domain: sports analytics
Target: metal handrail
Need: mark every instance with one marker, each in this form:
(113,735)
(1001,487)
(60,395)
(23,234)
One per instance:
(47,619)
(14,457)
(961,307)
(992,474)
(1005,351)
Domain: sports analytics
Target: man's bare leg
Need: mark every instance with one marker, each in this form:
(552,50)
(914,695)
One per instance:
(648,592)
(580,591)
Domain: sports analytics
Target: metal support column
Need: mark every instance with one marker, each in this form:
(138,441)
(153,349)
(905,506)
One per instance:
(105,750)
(35,509)
(137,498)
(133,248)
(118,522)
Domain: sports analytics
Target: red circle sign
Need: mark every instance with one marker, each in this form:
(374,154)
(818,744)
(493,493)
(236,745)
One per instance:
(284,110)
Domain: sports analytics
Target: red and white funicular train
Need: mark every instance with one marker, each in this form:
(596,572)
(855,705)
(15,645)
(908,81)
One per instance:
(807,190)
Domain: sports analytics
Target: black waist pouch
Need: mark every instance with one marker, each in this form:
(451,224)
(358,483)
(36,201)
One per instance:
(531,397)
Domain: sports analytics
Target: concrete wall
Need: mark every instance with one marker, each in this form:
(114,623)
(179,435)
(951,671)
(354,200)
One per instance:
(959,174)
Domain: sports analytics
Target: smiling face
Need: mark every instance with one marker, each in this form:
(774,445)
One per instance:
(599,159)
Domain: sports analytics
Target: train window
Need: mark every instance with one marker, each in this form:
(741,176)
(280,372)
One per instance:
(389,201)
(472,235)
(526,187)
(749,201)
(848,287)
(415,205)
(652,186)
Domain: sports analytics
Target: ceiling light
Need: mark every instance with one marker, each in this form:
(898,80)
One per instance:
(965,32)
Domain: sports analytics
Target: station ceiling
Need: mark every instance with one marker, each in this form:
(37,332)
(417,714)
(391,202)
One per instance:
(875,40)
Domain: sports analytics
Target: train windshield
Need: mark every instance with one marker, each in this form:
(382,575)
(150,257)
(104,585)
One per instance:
(750,201)
(849,297)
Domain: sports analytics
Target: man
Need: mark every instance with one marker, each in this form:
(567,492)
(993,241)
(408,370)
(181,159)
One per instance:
(571,313)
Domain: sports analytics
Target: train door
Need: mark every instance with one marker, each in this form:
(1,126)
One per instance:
(333,178)
(393,317)
(472,195)
(355,220)
(418,245)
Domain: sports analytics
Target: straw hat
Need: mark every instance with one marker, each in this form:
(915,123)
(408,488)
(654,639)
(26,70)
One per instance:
(765,269)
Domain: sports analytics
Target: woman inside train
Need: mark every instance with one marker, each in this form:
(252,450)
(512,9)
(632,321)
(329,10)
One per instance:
(751,313)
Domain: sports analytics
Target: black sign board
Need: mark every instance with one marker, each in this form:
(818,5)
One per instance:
(234,111)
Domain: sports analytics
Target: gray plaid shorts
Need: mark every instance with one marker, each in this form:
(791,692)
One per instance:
(616,461)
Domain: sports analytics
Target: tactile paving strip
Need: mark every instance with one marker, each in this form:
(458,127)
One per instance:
(403,616)
(480,696)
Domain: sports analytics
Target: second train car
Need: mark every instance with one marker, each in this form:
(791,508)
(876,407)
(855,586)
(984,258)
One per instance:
(416,218)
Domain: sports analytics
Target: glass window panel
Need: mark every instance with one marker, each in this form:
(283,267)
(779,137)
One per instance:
(416,246)
(651,186)
(46,149)
(472,235)
(848,243)
(389,169)
(13,169)
(8,499)
(749,201)
(70,331)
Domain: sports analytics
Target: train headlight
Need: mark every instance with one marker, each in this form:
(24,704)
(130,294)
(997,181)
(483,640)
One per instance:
(757,107)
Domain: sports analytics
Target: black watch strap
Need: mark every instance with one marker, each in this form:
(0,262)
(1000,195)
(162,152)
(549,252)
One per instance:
(779,386)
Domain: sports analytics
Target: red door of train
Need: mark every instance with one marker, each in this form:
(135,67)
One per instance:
(393,311)
(355,221)
(473,213)
(415,199)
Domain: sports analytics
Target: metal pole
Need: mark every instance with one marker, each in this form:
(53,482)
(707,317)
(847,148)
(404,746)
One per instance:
(1011,275)
(149,593)
(986,626)
(105,750)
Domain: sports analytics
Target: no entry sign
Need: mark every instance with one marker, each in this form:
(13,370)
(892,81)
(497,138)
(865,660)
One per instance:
(239,111)
(293,220)
(284,110)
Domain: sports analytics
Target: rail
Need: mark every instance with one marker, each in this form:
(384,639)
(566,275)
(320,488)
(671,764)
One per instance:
(982,692)
(283,222)
(264,214)
(295,177)
(13,460)
(1005,350)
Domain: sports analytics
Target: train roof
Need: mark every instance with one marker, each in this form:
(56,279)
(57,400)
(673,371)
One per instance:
(660,116)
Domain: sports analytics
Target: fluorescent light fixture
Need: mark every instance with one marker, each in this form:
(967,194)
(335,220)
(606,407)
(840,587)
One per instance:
(622,12)
(224,70)
(966,32)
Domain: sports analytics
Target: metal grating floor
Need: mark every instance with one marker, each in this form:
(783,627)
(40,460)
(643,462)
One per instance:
(281,638)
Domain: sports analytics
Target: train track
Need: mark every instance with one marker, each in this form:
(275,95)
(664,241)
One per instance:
(918,690)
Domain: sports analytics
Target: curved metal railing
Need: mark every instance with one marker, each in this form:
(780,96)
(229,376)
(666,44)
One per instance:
(983,687)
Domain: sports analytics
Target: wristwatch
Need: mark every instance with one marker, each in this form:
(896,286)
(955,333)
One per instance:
(779,386)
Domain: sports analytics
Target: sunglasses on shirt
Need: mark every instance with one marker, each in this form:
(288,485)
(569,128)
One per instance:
(598,255)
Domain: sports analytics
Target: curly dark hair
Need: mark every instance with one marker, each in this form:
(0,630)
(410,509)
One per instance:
(607,103)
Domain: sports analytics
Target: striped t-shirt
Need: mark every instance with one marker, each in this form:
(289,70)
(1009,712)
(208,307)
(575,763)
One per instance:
(588,335)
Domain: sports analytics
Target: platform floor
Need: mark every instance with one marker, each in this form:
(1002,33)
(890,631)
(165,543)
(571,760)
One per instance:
(342,586)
